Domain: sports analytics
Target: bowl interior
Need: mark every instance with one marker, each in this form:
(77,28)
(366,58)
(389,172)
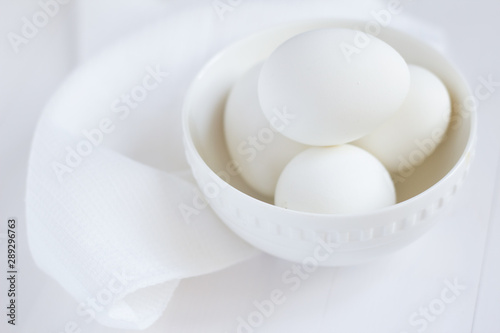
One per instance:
(207,97)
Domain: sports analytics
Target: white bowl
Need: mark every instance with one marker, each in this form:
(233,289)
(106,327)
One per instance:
(299,236)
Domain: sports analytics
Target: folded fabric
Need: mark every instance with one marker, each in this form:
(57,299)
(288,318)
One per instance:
(114,229)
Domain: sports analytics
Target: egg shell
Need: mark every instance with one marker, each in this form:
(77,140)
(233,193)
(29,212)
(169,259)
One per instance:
(415,131)
(260,151)
(338,84)
(335,180)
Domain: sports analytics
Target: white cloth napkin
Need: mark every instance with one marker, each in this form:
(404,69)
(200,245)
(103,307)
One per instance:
(109,216)
(113,231)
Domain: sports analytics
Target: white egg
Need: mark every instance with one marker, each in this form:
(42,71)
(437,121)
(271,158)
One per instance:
(260,150)
(337,85)
(334,180)
(414,132)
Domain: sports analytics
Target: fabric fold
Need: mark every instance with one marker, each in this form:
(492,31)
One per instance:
(113,230)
